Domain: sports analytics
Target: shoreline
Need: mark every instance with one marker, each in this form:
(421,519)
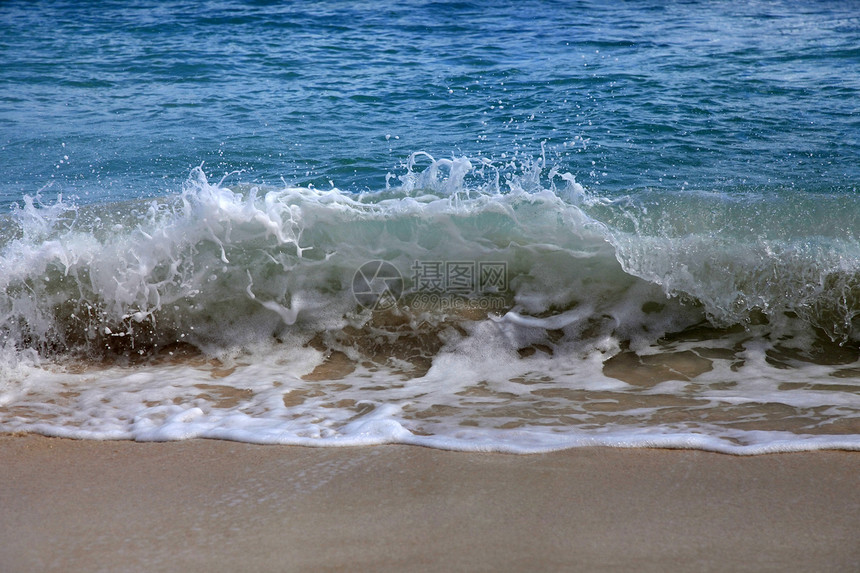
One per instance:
(209,505)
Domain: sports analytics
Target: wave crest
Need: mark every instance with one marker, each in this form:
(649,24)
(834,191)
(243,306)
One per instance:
(220,267)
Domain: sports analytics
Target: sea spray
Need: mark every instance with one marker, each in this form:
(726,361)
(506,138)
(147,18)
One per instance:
(230,312)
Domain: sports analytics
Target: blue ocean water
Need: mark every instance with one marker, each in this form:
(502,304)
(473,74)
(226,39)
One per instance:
(715,96)
(670,188)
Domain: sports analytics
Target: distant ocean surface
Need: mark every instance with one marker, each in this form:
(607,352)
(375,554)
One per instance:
(509,226)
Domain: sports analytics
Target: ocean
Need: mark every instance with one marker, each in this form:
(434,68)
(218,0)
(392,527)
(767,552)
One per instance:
(510,226)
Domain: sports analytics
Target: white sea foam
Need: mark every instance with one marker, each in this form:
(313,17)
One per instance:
(473,399)
(228,313)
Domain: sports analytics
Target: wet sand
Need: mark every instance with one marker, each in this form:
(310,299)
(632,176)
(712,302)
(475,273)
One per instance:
(206,505)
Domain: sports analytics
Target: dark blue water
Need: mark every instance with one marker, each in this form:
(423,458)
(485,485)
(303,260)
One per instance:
(114,100)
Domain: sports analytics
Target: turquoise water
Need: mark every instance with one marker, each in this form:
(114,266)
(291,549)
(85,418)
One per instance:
(188,191)
(715,96)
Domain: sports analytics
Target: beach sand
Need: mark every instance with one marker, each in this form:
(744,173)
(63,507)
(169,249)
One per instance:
(207,505)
